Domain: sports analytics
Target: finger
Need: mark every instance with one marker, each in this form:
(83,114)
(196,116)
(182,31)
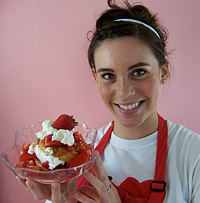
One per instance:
(94,181)
(56,195)
(105,195)
(90,192)
(99,169)
(64,191)
(69,186)
(98,184)
(36,189)
(83,198)
(64,186)
(71,190)
(23,183)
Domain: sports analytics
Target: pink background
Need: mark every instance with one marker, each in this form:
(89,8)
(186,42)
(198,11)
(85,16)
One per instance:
(44,70)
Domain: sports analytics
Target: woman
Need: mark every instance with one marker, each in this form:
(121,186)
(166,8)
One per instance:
(148,158)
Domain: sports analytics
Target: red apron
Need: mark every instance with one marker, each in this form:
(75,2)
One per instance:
(150,191)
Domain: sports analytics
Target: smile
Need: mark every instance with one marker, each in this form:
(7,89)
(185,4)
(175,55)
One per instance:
(130,106)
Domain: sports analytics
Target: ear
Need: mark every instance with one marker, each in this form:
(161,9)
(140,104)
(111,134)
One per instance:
(165,74)
(94,75)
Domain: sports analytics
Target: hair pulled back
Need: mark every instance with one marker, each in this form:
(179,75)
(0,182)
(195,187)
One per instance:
(108,28)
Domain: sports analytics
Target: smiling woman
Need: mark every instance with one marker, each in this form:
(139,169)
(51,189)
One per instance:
(149,158)
(130,77)
(128,58)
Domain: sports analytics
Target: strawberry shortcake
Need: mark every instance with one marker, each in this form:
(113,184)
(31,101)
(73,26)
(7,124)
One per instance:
(57,146)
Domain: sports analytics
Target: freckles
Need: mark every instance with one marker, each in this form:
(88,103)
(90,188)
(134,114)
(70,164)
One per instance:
(104,92)
(151,89)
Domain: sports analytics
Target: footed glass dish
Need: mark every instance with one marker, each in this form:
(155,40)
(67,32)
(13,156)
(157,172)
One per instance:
(11,157)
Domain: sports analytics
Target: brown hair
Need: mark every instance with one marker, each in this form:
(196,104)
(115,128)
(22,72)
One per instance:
(108,28)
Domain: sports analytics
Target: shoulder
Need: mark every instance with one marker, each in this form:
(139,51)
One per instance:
(101,131)
(180,132)
(183,141)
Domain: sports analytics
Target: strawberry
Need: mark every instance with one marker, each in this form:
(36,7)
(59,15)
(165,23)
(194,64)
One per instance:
(24,155)
(46,164)
(64,121)
(25,146)
(80,159)
(48,142)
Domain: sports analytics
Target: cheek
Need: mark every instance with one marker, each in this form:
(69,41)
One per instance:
(105,92)
(151,89)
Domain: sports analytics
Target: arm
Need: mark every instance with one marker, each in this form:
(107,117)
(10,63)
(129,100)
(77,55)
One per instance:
(98,190)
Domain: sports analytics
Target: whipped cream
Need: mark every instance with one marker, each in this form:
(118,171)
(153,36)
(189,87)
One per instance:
(64,136)
(31,148)
(45,156)
(48,151)
(53,161)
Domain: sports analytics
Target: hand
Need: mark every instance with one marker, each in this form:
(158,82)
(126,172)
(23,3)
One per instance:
(57,193)
(98,192)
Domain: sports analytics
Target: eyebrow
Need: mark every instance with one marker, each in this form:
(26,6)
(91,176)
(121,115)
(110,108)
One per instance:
(140,64)
(105,70)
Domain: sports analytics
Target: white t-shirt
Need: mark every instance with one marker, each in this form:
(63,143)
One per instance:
(136,158)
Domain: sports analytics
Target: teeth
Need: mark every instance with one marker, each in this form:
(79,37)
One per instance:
(130,106)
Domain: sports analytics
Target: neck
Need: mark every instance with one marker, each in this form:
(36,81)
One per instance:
(141,130)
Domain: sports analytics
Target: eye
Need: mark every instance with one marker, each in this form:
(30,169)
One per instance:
(108,76)
(139,73)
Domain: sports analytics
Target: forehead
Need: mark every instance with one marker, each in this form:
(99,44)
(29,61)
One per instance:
(123,51)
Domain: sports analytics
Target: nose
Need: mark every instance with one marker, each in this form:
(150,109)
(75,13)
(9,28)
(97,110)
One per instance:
(125,88)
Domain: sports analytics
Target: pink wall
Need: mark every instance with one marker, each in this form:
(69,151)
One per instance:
(44,70)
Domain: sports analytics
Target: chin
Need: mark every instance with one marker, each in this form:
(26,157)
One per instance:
(130,123)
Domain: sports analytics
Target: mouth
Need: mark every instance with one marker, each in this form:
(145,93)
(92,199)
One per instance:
(129,108)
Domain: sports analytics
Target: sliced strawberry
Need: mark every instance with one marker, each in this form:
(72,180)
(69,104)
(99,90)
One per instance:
(48,142)
(19,165)
(69,148)
(31,162)
(37,168)
(46,164)
(80,159)
(85,151)
(80,140)
(64,121)
(25,146)
(27,165)
(24,155)
(37,161)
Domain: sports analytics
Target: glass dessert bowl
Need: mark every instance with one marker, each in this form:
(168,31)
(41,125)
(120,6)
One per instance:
(28,135)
